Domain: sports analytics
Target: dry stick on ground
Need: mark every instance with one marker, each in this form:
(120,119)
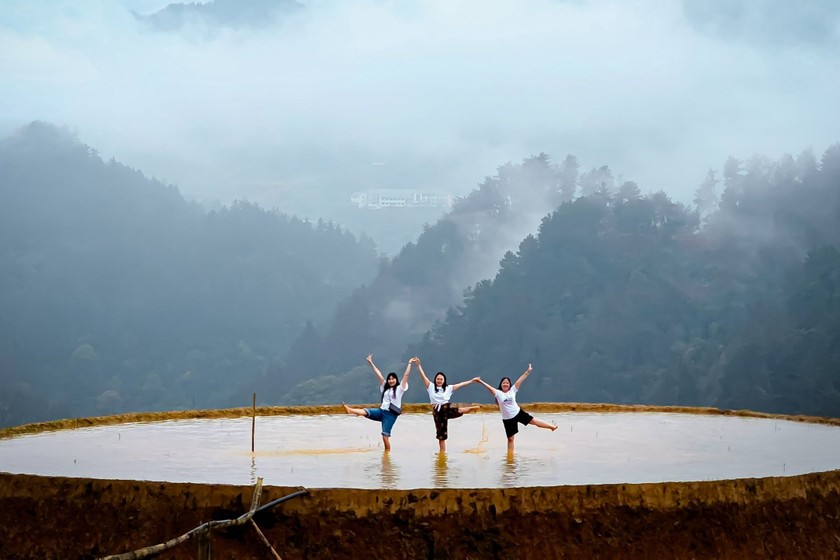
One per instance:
(265,540)
(270,505)
(200,530)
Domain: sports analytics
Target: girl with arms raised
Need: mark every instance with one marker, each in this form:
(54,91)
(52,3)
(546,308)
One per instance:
(512,413)
(440,394)
(391,401)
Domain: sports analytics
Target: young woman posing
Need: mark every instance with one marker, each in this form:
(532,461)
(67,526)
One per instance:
(392,392)
(512,414)
(440,394)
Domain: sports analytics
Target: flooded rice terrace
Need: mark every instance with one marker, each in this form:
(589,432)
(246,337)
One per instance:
(325,451)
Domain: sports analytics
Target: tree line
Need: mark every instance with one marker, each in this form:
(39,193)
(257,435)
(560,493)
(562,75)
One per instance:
(733,301)
(117,294)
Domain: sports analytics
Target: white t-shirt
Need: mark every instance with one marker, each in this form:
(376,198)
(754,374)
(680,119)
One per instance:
(507,402)
(389,397)
(438,398)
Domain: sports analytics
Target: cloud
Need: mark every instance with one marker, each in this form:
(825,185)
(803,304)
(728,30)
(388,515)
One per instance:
(440,91)
(768,22)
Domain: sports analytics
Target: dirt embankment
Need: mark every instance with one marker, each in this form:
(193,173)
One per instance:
(788,517)
(783,517)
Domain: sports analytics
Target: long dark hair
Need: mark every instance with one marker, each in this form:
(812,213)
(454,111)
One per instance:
(434,381)
(394,388)
(509,381)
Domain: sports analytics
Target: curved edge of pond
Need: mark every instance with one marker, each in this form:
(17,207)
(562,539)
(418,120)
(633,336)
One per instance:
(135,417)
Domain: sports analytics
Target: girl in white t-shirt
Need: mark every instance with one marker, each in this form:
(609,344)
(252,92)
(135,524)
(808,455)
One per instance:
(512,414)
(439,394)
(392,392)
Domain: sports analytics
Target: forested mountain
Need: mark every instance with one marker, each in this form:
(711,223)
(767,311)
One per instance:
(415,288)
(116,294)
(621,297)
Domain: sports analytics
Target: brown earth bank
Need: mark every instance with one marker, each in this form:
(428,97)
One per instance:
(778,517)
(785,517)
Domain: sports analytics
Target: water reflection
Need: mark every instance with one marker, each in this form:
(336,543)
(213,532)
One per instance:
(253,468)
(509,477)
(389,473)
(441,471)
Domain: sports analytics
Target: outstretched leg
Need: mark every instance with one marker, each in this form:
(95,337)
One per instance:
(467,409)
(541,424)
(356,411)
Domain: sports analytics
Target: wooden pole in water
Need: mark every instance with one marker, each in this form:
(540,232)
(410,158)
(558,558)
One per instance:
(253,420)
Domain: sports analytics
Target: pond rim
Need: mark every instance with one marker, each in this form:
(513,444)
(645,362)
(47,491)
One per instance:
(408,408)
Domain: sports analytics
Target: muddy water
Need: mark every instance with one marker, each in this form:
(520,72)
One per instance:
(328,450)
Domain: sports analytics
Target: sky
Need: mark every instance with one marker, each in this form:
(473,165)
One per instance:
(343,95)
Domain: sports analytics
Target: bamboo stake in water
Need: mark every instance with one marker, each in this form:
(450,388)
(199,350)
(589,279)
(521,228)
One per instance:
(253,420)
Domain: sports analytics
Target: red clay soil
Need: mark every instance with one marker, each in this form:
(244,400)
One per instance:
(782,517)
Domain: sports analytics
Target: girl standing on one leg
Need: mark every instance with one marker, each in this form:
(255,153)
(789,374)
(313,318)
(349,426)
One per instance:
(512,414)
(440,394)
(391,407)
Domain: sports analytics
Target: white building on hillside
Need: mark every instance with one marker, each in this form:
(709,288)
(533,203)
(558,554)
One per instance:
(401,198)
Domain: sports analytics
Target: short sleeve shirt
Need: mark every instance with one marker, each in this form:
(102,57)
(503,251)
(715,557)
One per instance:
(388,398)
(438,398)
(507,403)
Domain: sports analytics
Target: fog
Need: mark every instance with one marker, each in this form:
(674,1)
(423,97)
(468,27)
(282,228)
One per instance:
(300,110)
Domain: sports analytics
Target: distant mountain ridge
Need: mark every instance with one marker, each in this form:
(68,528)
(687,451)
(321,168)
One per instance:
(116,294)
(618,297)
(221,13)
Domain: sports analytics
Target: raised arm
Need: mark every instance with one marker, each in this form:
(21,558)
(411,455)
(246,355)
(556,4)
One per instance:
(488,386)
(425,379)
(405,375)
(465,383)
(375,369)
(522,377)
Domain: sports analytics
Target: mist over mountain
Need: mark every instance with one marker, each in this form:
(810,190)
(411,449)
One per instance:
(427,277)
(766,22)
(220,13)
(116,294)
(624,297)
(301,110)
(232,257)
